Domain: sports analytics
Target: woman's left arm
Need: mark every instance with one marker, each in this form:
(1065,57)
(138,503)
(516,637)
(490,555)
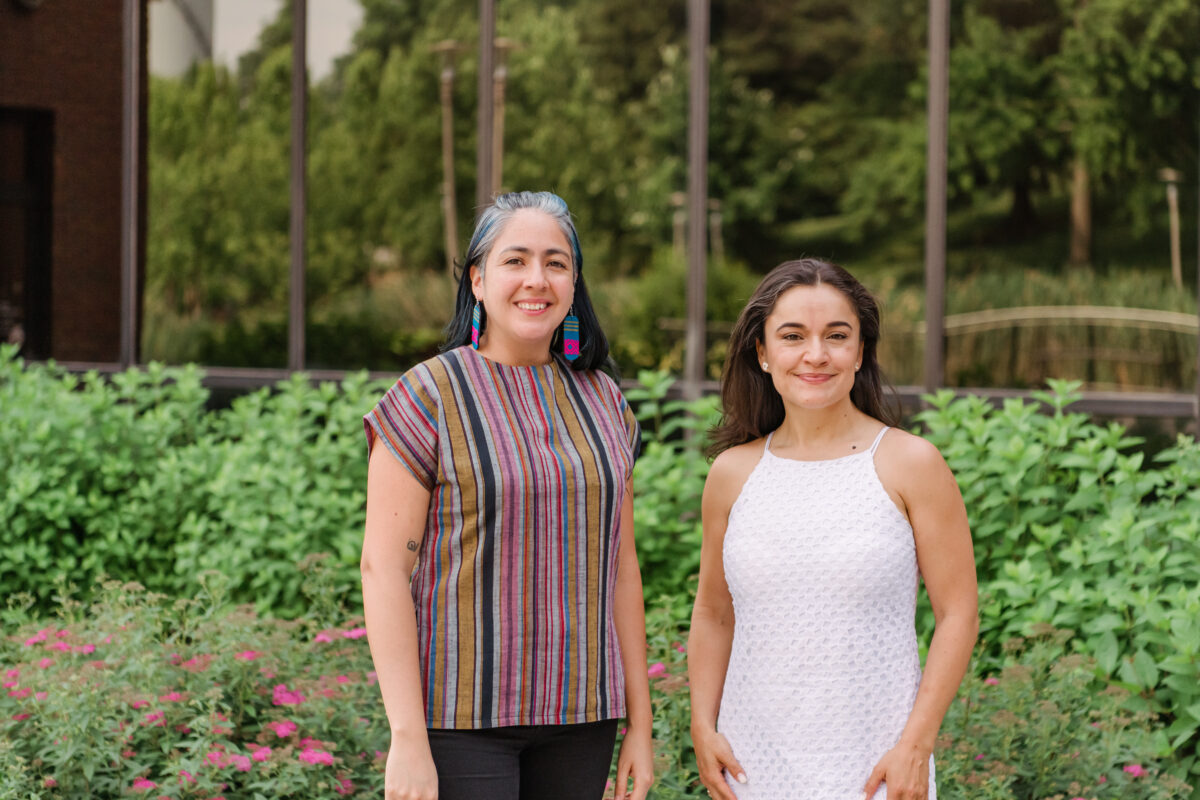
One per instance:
(636,759)
(947,562)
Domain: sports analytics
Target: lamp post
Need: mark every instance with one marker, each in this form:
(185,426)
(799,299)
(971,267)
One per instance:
(1171,178)
(449,51)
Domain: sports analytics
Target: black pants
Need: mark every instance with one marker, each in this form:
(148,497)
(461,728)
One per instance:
(524,762)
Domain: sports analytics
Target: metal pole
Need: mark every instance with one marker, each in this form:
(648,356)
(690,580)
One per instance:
(131,156)
(695,348)
(448,49)
(296,233)
(938,112)
(487,62)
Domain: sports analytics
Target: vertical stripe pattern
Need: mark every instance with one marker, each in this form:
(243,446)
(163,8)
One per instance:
(514,583)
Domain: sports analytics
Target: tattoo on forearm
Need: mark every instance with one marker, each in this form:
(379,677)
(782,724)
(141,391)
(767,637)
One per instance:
(412,544)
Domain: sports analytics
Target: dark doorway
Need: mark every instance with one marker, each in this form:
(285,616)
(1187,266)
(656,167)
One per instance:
(26,188)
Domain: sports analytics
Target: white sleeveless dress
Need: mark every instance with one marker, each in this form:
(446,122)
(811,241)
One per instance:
(824,667)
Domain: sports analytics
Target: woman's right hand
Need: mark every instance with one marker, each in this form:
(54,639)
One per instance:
(714,757)
(410,774)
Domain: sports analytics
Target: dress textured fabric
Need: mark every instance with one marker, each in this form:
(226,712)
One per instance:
(824,666)
(527,469)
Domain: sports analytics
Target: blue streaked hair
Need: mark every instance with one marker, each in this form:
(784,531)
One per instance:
(593,345)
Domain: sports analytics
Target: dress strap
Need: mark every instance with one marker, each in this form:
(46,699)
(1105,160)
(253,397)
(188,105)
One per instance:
(878,439)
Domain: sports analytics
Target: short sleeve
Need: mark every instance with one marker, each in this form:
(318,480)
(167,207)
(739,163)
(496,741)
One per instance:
(633,430)
(406,420)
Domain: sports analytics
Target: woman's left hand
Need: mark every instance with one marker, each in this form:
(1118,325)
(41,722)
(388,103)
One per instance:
(905,770)
(636,761)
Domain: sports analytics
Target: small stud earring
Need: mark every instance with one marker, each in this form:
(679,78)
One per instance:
(857,366)
(765,366)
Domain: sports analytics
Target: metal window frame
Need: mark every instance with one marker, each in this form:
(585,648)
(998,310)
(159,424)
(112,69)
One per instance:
(1103,403)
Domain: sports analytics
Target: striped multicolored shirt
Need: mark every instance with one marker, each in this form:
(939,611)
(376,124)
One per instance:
(527,469)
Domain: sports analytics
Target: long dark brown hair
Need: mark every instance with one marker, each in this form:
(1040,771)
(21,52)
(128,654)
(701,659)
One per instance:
(751,405)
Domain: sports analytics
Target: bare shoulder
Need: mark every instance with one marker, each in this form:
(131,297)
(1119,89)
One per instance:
(909,451)
(729,472)
(911,468)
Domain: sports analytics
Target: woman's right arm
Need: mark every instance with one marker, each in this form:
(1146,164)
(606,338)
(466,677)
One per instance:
(397,507)
(711,636)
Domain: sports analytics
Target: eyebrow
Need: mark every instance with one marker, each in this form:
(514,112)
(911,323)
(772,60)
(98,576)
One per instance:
(526,250)
(835,324)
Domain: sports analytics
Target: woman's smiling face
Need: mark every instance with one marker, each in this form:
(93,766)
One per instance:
(527,286)
(812,346)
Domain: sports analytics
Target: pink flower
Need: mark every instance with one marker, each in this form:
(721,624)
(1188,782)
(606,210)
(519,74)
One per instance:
(198,664)
(680,648)
(1103,779)
(41,695)
(215,758)
(170,697)
(311,755)
(380,755)
(355,633)
(127,753)
(20,692)
(155,717)
(140,703)
(45,662)
(185,777)
(267,673)
(13,673)
(979,757)
(342,679)
(247,655)
(62,634)
(656,670)
(142,785)
(284,696)
(345,786)
(241,763)
(372,678)
(63,646)
(323,636)
(40,636)
(282,728)
(85,648)
(261,754)
(991,681)
(1136,770)
(10,684)
(19,717)
(50,783)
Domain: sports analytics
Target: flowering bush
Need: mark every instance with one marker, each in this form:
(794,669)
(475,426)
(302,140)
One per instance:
(1043,726)
(136,695)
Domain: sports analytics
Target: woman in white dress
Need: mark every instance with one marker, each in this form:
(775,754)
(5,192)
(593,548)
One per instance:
(820,519)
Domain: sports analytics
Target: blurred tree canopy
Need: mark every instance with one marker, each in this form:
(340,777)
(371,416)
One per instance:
(817,112)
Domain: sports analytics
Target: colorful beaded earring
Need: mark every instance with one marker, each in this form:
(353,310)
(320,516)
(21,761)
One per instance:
(571,336)
(476,319)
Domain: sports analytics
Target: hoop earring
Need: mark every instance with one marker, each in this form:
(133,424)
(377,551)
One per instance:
(476,324)
(571,335)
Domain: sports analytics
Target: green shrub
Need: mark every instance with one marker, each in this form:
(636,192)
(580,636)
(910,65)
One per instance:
(668,480)
(130,477)
(1073,529)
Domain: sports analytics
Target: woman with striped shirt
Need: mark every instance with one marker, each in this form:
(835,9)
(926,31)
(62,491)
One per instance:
(504,490)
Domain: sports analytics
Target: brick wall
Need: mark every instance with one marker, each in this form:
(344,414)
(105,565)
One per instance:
(66,57)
